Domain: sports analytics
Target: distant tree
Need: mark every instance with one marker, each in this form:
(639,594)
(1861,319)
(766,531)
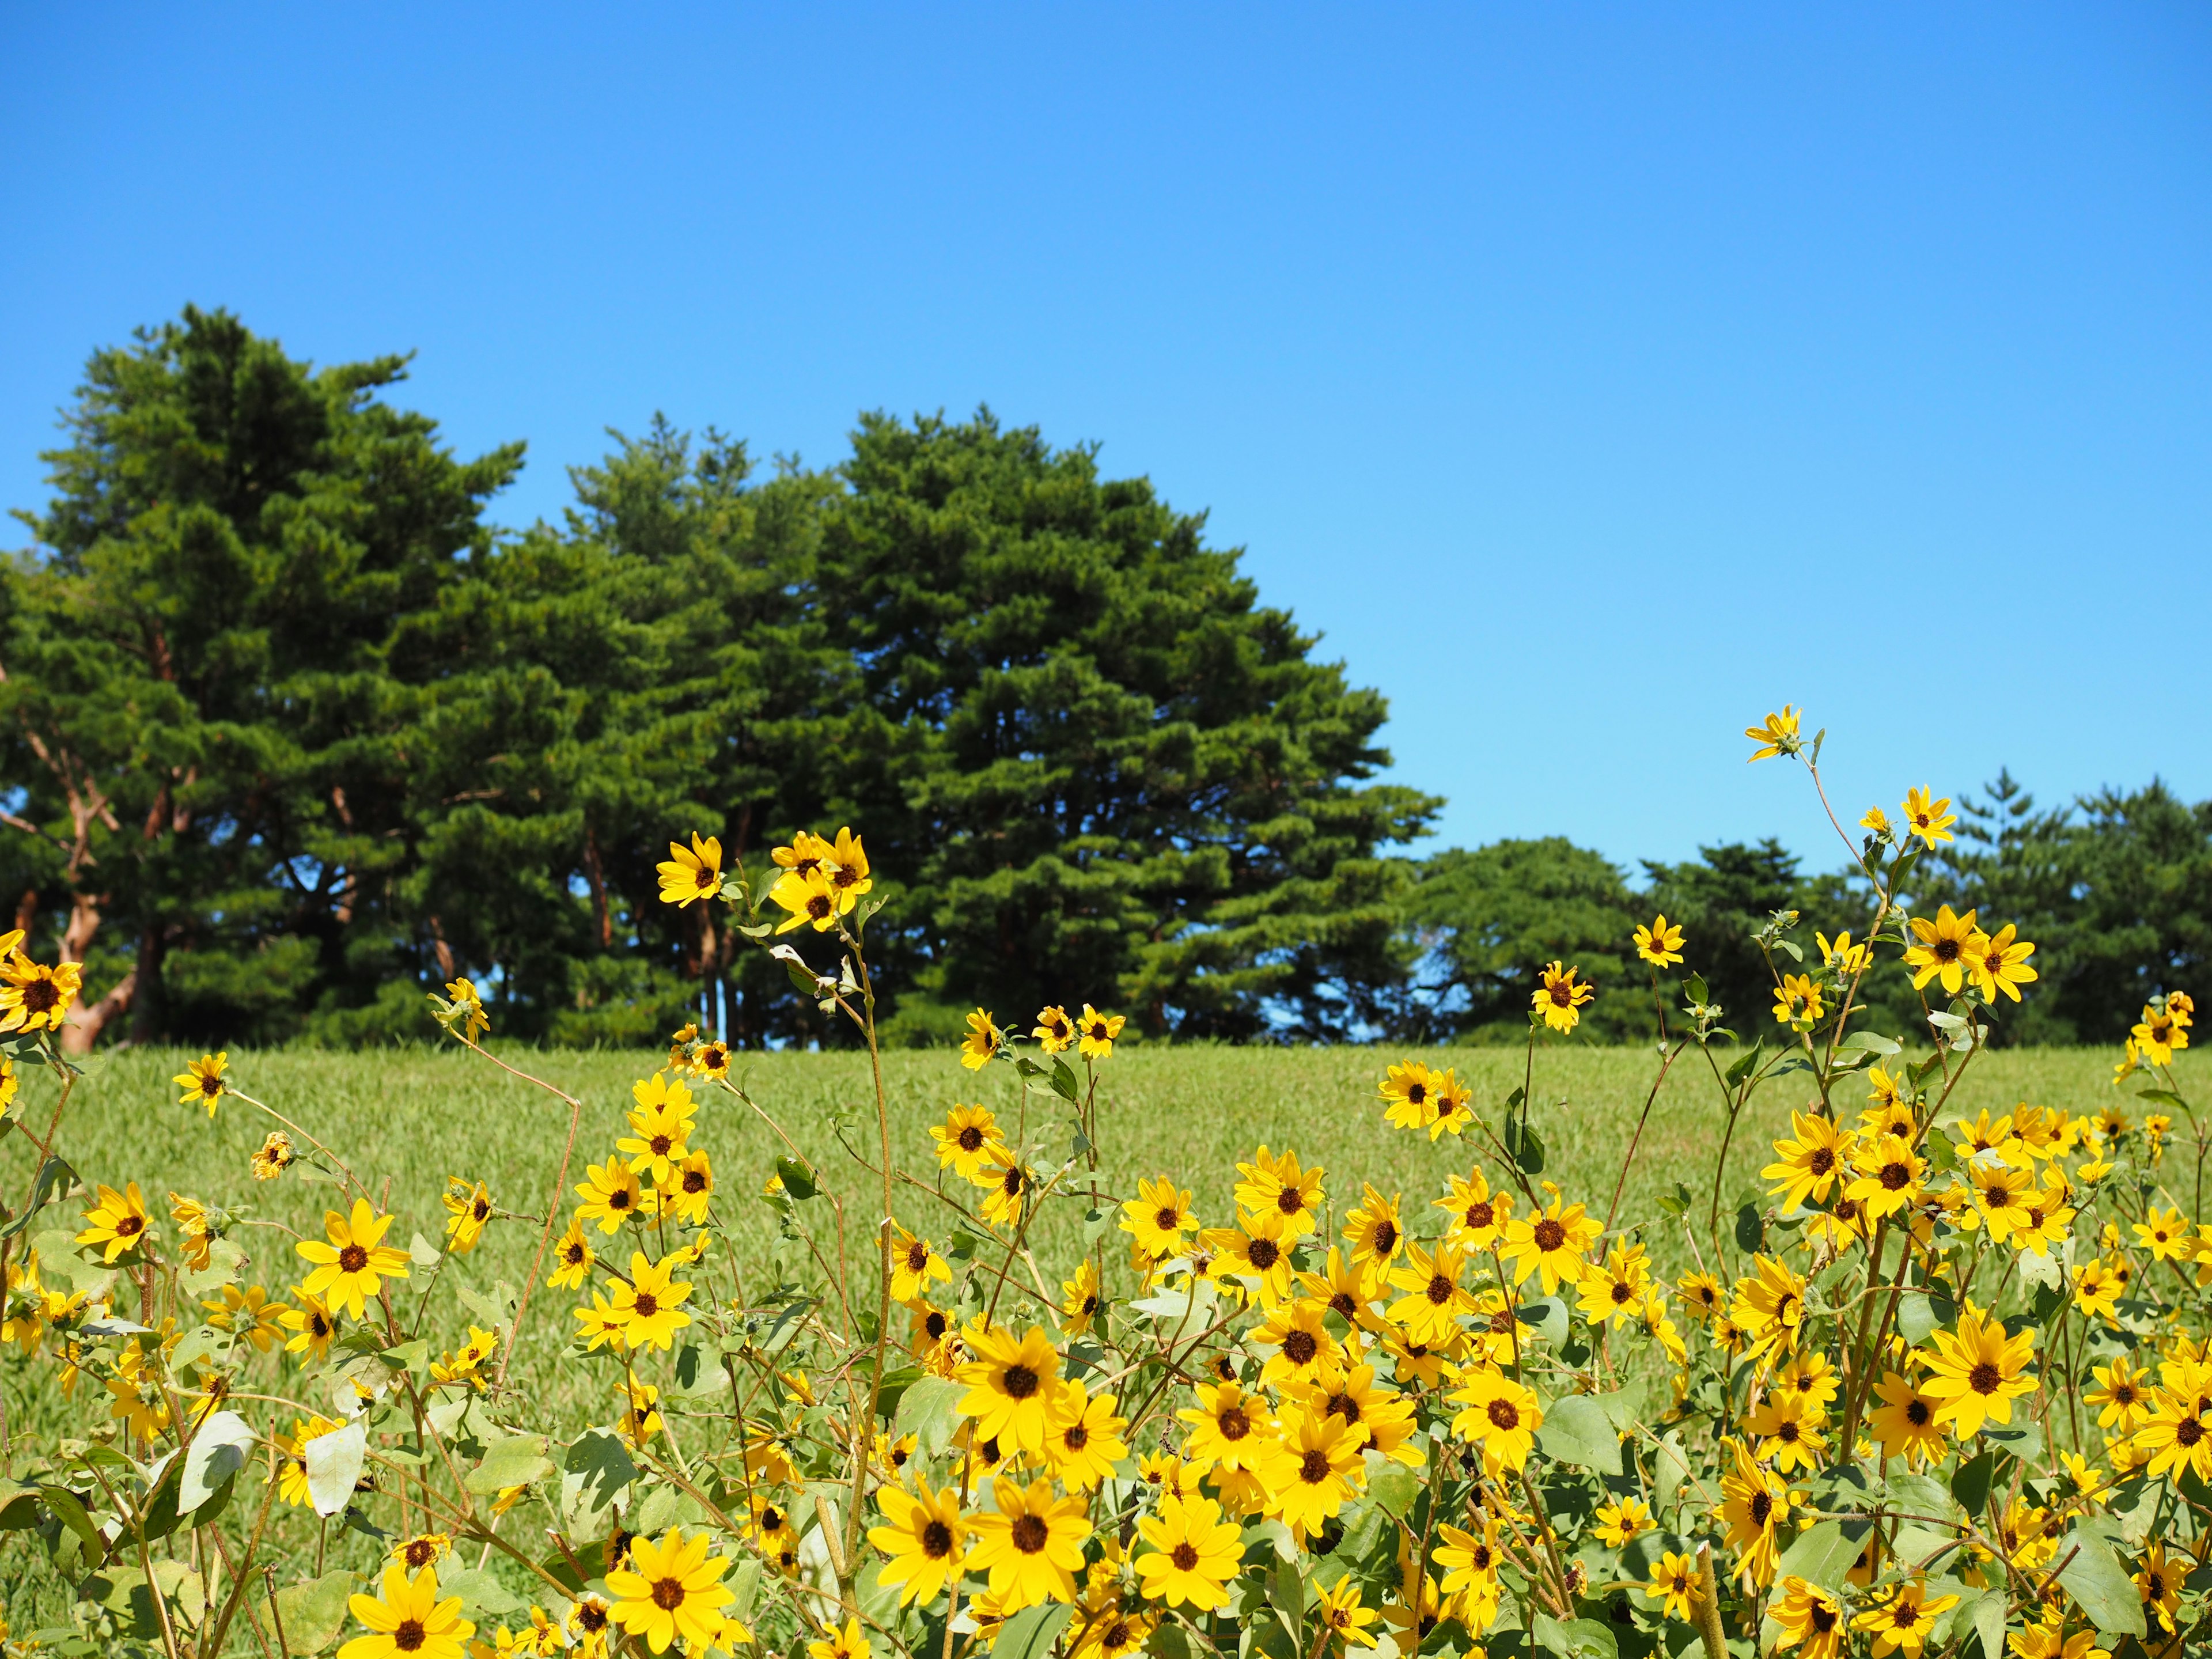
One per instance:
(1720,901)
(1487,920)
(1098,767)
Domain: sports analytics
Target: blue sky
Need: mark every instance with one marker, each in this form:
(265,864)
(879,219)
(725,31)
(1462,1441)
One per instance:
(1594,379)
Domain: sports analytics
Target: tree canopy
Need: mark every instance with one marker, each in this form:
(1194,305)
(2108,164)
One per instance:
(290,731)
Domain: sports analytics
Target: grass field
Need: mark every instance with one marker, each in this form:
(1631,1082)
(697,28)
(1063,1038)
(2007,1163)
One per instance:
(416,1116)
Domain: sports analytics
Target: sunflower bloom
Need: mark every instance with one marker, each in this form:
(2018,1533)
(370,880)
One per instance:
(981,1042)
(34,997)
(407,1618)
(1550,1243)
(1012,1383)
(1661,944)
(118,1222)
(1811,1162)
(671,1591)
(1777,736)
(1940,948)
(1054,1031)
(1562,998)
(922,1543)
(1998,963)
(804,899)
(1930,820)
(1192,1554)
(1499,1415)
(1096,1033)
(203,1082)
(649,1306)
(1903,1622)
(1032,1545)
(1811,1620)
(1977,1371)
(690,873)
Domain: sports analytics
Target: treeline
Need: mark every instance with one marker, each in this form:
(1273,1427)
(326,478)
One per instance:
(2115,890)
(291,733)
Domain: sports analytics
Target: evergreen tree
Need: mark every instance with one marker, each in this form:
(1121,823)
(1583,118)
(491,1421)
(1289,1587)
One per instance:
(1096,764)
(207,670)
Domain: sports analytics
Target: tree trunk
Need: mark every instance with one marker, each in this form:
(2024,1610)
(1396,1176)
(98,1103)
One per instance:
(149,1007)
(86,1023)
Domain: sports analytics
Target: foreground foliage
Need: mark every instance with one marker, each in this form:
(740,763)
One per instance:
(1939,1385)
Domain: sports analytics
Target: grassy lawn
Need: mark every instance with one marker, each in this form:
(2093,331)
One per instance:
(414,1117)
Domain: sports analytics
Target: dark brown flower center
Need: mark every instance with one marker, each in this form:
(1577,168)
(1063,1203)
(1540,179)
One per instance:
(1167,1221)
(1233,1423)
(1762,1506)
(936,1540)
(1299,1347)
(1917,1413)
(408,1637)
(1019,1382)
(694,1181)
(1184,1557)
(970,1138)
(352,1259)
(1289,1200)
(646,1305)
(1896,1177)
(1549,1235)
(668,1594)
(1503,1415)
(1262,1254)
(1386,1237)
(1822,1162)
(1030,1534)
(1985,1378)
(917,1256)
(1313,1468)
(1439,1290)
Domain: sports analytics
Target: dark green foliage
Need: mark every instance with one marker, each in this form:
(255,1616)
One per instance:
(1720,901)
(290,734)
(1491,919)
(1098,766)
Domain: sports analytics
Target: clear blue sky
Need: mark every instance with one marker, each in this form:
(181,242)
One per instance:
(1594,379)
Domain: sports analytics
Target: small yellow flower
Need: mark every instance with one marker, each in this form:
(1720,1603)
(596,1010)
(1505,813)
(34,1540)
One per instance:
(1562,998)
(690,873)
(274,1157)
(1661,944)
(118,1222)
(981,1042)
(1096,1033)
(1777,736)
(203,1082)
(1930,820)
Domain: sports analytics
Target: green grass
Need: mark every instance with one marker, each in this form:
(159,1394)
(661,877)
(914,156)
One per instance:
(414,1117)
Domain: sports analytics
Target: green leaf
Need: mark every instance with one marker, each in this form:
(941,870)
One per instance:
(1919,1315)
(480,1592)
(315,1612)
(1578,1639)
(1750,1230)
(930,1412)
(1064,1082)
(1577,1429)
(51,1171)
(2094,1578)
(1394,1488)
(334,1462)
(423,1253)
(517,1461)
(1670,1467)
(1525,1148)
(1548,1316)
(219,1450)
(1971,1485)
(1031,1633)
(1825,1553)
(595,1471)
(798,1177)
(1695,988)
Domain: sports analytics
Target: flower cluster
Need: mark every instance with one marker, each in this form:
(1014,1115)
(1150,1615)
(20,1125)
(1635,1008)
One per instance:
(1940,1380)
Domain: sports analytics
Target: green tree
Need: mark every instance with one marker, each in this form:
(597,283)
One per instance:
(1488,920)
(1096,764)
(1721,900)
(208,663)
